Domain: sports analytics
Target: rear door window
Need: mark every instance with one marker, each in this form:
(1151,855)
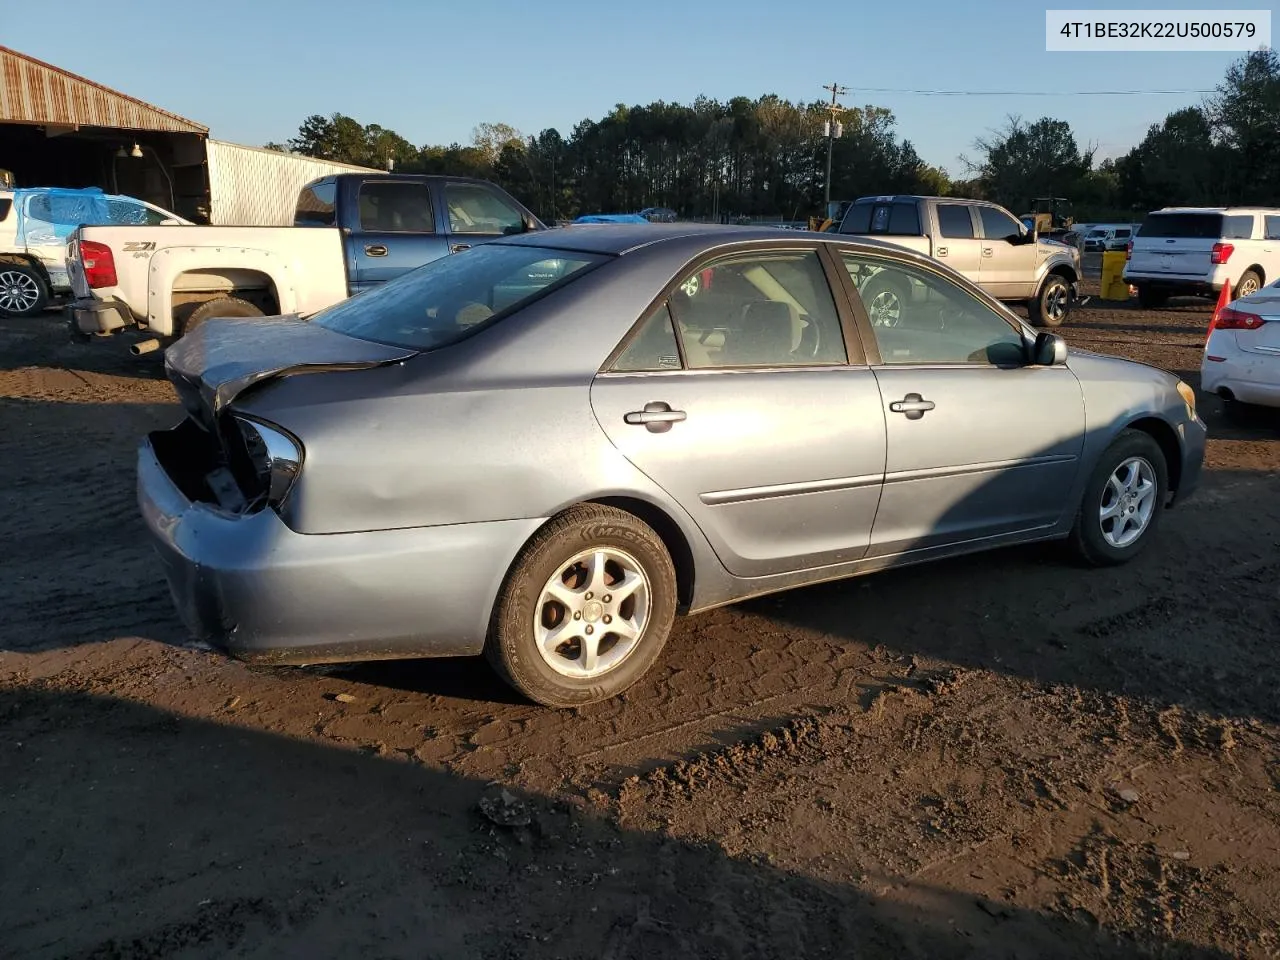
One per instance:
(396,206)
(954,221)
(858,219)
(1272,225)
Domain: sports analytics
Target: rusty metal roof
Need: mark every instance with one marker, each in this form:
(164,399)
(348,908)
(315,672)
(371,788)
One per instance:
(32,91)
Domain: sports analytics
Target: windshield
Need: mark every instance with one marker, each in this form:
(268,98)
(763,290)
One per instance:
(453,297)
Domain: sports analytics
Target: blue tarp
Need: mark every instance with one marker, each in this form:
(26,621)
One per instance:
(611,218)
(48,215)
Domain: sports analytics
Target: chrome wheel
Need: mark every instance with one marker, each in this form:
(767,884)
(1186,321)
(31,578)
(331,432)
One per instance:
(1247,286)
(1055,302)
(885,309)
(1128,502)
(592,613)
(19,291)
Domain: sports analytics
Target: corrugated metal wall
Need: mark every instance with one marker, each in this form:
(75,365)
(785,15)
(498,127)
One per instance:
(32,91)
(253,187)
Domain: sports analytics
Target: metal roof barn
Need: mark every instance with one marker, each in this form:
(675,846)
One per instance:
(59,129)
(32,91)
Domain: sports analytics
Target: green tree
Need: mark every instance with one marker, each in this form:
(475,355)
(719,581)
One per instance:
(1246,117)
(1025,161)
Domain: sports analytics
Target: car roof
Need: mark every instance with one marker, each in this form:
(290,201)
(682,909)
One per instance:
(1216,210)
(619,239)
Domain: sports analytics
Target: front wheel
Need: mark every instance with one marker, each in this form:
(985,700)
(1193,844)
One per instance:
(1123,501)
(1052,303)
(585,610)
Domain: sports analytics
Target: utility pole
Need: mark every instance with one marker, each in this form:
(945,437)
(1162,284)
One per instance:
(834,127)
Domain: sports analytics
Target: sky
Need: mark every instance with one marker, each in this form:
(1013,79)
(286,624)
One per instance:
(433,69)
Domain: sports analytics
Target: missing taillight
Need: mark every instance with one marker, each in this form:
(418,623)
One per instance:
(264,460)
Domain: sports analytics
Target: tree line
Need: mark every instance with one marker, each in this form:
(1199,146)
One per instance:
(767,157)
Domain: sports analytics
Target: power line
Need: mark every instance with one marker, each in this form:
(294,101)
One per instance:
(1030,93)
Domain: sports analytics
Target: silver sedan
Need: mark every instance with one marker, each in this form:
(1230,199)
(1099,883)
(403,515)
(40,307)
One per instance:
(547,447)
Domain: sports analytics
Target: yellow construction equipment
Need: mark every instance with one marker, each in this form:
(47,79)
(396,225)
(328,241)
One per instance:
(1113,286)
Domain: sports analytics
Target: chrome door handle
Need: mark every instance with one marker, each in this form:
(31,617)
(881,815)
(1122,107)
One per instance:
(986,251)
(942,251)
(913,405)
(459,247)
(656,417)
(375,250)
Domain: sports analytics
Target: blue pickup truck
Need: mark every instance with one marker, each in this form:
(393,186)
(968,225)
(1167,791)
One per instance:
(392,224)
(351,232)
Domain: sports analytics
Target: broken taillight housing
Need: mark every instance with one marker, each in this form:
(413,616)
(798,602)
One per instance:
(264,460)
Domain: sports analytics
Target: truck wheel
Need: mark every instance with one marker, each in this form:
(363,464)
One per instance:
(222,307)
(1249,283)
(585,610)
(23,292)
(1150,298)
(1052,303)
(885,298)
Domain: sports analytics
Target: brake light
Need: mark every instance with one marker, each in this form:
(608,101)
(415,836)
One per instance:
(1221,252)
(99,264)
(1229,319)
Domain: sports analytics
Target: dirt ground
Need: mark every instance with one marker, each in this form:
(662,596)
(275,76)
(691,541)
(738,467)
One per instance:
(1004,756)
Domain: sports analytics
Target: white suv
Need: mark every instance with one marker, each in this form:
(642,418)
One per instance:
(1197,250)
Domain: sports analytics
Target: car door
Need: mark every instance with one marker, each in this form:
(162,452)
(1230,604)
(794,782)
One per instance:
(956,238)
(398,230)
(1270,259)
(1007,267)
(980,442)
(739,397)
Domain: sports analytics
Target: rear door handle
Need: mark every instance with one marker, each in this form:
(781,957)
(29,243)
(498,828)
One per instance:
(375,250)
(913,405)
(657,417)
(942,251)
(459,247)
(986,251)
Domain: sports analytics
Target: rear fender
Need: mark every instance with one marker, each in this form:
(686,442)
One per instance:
(167,265)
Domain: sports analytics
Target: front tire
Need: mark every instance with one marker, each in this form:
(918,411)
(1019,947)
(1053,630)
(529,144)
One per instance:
(23,292)
(1052,304)
(1123,501)
(585,610)
(885,299)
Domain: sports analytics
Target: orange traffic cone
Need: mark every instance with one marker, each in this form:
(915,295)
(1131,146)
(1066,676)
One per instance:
(1223,299)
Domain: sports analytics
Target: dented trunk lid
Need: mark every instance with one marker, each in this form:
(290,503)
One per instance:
(223,357)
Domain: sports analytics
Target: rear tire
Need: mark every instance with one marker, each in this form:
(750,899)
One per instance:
(221,307)
(1151,299)
(1051,305)
(564,653)
(885,299)
(23,291)
(1250,282)
(1123,501)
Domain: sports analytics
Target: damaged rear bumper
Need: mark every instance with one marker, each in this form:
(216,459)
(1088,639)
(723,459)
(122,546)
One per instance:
(263,592)
(90,316)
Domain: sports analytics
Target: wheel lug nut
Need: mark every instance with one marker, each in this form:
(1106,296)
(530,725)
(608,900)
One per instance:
(577,616)
(590,630)
(608,619)
(606,598)
(588,595)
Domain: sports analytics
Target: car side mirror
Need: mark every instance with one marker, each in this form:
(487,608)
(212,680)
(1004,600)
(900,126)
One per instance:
(1050,350)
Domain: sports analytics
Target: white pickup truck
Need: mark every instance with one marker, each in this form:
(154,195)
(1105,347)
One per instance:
(352,232)
(980,240)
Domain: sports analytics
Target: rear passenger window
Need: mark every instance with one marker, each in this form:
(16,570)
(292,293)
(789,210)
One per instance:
(1272,232)
(857,219)
(1122,234)
(316,206)
(1238,227)
(954,221)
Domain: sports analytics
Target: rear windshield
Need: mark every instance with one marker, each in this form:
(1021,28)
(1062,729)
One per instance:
(899,219)
(1196,226)
(455,296)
